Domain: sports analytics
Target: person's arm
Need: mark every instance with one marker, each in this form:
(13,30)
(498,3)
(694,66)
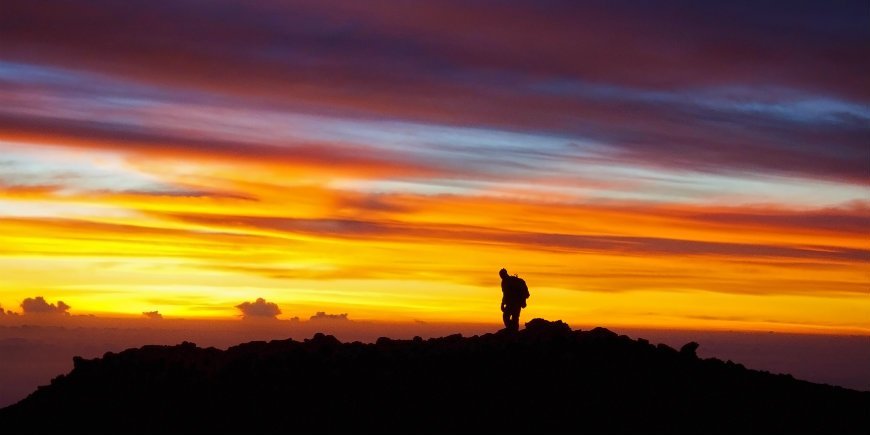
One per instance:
(503,296)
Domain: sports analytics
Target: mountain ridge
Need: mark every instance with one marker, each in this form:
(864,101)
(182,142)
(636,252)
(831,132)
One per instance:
(546,378)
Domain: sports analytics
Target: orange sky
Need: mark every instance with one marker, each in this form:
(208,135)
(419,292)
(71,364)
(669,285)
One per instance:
(317,243)
(389,169)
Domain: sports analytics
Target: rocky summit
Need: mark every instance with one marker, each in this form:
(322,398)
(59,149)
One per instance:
(543,379)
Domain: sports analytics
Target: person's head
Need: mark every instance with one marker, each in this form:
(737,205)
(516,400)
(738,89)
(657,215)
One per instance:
(503,273)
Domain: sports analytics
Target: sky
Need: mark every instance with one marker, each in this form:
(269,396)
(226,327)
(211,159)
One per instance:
(695,165)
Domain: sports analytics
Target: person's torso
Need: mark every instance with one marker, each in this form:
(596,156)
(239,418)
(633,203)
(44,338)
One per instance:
(512,287)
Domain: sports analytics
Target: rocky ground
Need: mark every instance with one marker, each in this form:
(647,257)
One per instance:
(544,379)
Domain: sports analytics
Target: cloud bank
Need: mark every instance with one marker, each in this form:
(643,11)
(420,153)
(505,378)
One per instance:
(321,315)
(154,315)
(39,305)
(259,309)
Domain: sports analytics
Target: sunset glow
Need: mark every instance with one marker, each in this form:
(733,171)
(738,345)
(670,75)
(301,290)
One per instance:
(387,159)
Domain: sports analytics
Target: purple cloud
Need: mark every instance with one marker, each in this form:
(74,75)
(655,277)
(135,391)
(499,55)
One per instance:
(38,305)
(712,86)
(259,309)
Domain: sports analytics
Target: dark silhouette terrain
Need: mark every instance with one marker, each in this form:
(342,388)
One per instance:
(543,379)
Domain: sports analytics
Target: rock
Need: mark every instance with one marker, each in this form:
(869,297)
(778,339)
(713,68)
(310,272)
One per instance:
(536,326)
(689,349)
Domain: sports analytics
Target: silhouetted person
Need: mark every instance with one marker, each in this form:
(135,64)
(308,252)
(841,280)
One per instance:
(514,294)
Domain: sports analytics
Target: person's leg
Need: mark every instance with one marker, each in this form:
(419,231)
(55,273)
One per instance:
(515,318)
(506,317)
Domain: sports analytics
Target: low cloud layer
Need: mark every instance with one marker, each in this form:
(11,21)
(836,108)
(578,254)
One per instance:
(152,315)
(39,305)
(259,309)
(321,315)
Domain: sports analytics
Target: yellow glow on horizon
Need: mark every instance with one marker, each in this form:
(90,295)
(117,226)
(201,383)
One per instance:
(402,256)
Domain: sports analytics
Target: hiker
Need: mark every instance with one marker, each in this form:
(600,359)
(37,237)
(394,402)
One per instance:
(514,294)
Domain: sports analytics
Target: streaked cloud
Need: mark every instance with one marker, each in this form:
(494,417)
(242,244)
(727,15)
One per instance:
(385,158)
(754,100)
(614,245)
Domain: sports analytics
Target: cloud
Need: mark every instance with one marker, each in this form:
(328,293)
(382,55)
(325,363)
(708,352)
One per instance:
(753,100)
(154,141)
(538,102)
(152,315)
(547,241)
(139,239)
(6,313)
(830,220)
(259,309)
(38,305)
(392,45)
(321,315)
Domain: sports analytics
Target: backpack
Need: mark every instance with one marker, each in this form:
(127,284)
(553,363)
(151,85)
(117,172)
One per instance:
(521,289)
